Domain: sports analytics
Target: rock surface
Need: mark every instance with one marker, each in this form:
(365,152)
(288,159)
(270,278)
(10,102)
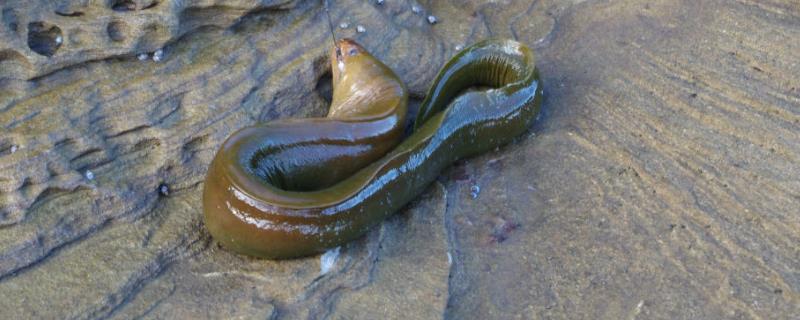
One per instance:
(43,36)
(662,181)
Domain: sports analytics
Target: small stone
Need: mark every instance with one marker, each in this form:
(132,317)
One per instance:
(142,57)
(416,9)
(163,189)
(432,19)
(459,47)
(380,2)
(89,175)
(328,260)
(474,191)
(158,55)
(344,25)
(361,29)
(14,148)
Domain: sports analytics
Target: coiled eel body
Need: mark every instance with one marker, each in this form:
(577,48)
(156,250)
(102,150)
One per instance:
(291,188)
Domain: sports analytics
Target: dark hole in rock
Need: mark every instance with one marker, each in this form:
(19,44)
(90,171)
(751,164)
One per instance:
(324,87)
(460,173)
(151,5)
(11,55)
(69,14)
(116,31)
(10,19)
(12,65)
(123,5)
(44,39)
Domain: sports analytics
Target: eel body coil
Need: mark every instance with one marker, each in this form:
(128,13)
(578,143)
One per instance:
(295,187)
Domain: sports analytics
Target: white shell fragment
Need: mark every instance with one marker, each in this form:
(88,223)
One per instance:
(163,190)
(328,260)
(158,55)
(474,191)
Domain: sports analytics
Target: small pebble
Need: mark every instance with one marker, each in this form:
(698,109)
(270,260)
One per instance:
(432,20)
(59,39)
(158,55)
(14,148)
(89,175)
(416,9)
(474,191)
(361,29)
(328,260)
(380,2)
(344,25)
(459,47)
(163,189)
(142,57)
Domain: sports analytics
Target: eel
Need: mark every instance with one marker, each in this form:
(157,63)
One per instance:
(295,187)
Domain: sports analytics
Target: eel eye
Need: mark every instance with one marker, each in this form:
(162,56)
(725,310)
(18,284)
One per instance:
(352,52)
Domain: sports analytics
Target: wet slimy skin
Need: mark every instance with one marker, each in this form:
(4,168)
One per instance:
(291,188)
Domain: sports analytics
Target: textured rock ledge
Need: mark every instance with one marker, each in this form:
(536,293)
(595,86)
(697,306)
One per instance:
(38,37)
(660,182)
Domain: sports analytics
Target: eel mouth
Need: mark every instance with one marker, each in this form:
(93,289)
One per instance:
(349,48)
(344,51)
